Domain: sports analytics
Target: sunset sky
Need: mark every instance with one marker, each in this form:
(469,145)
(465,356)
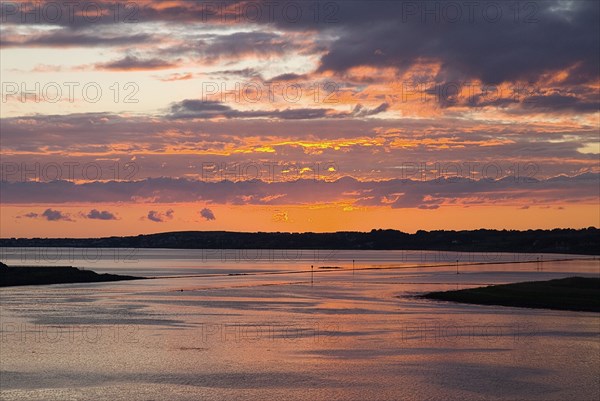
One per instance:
(140,117)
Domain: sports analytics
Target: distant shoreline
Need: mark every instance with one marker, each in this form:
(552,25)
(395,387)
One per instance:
(561,241)
(11,276)
(580,294)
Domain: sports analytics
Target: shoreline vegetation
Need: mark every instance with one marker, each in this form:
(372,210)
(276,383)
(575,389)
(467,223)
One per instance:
(580,294)
(565,241)
(11,276)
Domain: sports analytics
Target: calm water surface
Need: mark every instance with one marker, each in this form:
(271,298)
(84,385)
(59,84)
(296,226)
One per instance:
(219,325)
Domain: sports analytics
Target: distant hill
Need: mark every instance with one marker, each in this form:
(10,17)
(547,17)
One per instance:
(582,241)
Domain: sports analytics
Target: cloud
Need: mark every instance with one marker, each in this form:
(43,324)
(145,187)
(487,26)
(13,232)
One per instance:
(62,39)
(207,109)
(546,100)
(559,35)
(103,12)
(207,214)
(361,147)
(559,102)
(132,63)
(211,48)
(100,215)
(289,77)
(178,76)
(55,215)
(361,111)
(394,193)
(248,43)
(159,217)
(49,215)
(481,40)
(281,217)
(244,73)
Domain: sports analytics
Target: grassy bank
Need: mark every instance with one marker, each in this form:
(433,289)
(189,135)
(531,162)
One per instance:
(38,275)
(572,293)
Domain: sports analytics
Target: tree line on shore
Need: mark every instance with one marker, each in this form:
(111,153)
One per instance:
(571,241)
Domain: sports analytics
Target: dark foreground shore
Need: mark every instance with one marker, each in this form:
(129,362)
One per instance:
(39,275)
(572,293)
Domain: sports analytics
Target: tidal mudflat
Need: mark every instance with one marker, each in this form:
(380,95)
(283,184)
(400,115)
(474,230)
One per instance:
(219,329)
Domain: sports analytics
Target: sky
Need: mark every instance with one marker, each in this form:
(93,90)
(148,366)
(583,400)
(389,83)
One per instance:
(141,117)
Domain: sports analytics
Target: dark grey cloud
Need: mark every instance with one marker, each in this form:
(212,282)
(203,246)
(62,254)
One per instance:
(73,39)
(159,217)
(241,43)
(433,193)
(55,215)
(520,100)
(560,102)
(200,109)
(209,47)
(395,193)
(492,41)
(134,63)
(289,77)
(49,215)
(72,15)
(153,216)
(78,15)
(207,214)
(100,215)
(245,73)
(361,111)
(206,109)
(555,35)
